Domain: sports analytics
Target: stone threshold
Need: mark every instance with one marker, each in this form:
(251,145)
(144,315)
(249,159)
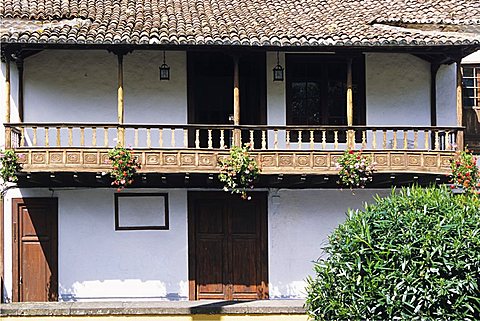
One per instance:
(151,308)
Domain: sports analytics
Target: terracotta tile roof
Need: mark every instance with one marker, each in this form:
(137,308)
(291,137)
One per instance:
(242,22)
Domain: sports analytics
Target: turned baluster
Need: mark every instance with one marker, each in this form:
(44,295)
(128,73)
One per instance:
(394,142)
(105,136)
(210,144)
(82,136)
(172,141)
(374,139)
(364,139)
(135,137)
(275,138)
(288,139)
(185,138)
(70,136)
(335,139)
(197,138)
(222,139)
(34,128)
(46,137)
(94,136)
(437,141)
(299,139)
(264,139)
(312,140)
(160,137)
(415,139)
(384,145)
(324,139)
(427,144)
(251,139)
(58,142)
(149,138)
(405,140)
(22,137)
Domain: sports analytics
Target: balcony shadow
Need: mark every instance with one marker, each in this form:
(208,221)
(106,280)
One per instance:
(216,308)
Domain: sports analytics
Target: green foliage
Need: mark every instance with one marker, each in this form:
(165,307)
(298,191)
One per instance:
(465,172)
(355,169)
(10,166)
(124,167)
(414,255)
(238,171)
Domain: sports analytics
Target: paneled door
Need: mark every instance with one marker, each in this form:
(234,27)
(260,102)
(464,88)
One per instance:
(35,249)
(227,246)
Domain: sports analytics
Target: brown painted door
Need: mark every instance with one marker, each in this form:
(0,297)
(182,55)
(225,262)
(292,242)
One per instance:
(35,250)
(227,246)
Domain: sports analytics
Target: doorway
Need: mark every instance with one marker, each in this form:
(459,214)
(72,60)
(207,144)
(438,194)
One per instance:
(210,91)
(228,257)
(35,249)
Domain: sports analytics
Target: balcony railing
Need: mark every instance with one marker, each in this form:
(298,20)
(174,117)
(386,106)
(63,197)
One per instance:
(313,138)
(197,148)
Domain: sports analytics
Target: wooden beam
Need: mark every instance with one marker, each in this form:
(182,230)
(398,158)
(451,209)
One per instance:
(120,101)
(8,132)
(433,93)
(236,100)
(460,137)
(19,63)
(351,134)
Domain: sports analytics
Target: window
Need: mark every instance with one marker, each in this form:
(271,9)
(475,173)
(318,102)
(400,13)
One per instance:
(317,90)
(141,211)
(471,86)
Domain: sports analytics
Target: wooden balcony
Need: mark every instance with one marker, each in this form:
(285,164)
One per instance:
(304,150)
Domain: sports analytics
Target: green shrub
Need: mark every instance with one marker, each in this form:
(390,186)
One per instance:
(414,255)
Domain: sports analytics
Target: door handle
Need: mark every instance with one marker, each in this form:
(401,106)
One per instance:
(20,282)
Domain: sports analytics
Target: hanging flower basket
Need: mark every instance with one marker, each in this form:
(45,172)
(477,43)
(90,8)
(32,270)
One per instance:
(238,171)
(124,166)
(355,169)
(465,173)
(10,166)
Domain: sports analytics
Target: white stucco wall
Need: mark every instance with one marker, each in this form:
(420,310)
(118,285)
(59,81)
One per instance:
(98,263)
(473,58)
(81,86)
(299,223)
(398,89)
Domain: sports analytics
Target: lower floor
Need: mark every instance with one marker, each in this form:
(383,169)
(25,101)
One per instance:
(95,244)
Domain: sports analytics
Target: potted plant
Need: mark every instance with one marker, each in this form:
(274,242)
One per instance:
(355,169)
(124,166)
(239,171)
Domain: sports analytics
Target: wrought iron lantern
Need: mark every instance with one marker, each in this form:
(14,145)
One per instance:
(164,70)
(278,71)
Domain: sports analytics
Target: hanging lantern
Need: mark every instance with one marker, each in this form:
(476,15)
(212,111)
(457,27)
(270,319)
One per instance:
(278,71)
(164,70)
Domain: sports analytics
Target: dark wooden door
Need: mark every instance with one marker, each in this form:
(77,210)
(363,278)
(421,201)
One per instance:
(227,246)
(35,250)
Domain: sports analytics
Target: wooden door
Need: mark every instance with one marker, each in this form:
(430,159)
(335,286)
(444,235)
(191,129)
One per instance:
(35,250)
(227,246)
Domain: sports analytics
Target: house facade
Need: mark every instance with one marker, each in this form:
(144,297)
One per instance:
(78,80)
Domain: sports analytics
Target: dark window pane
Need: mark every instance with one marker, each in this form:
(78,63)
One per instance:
(467,71)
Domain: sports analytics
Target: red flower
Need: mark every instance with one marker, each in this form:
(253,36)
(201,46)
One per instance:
(351,152)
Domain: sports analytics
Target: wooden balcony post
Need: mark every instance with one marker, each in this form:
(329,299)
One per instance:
(19,63)
(350,133)
(8,130)
(236,102)
(459,106)
(120,103)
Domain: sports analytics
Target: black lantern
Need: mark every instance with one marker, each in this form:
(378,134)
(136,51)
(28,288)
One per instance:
(164,70)
(278,71)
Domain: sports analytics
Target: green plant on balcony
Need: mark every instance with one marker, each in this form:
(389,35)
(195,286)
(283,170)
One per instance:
(355,169)
(238,171)
(465,173)
(10,166)
(124,166)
